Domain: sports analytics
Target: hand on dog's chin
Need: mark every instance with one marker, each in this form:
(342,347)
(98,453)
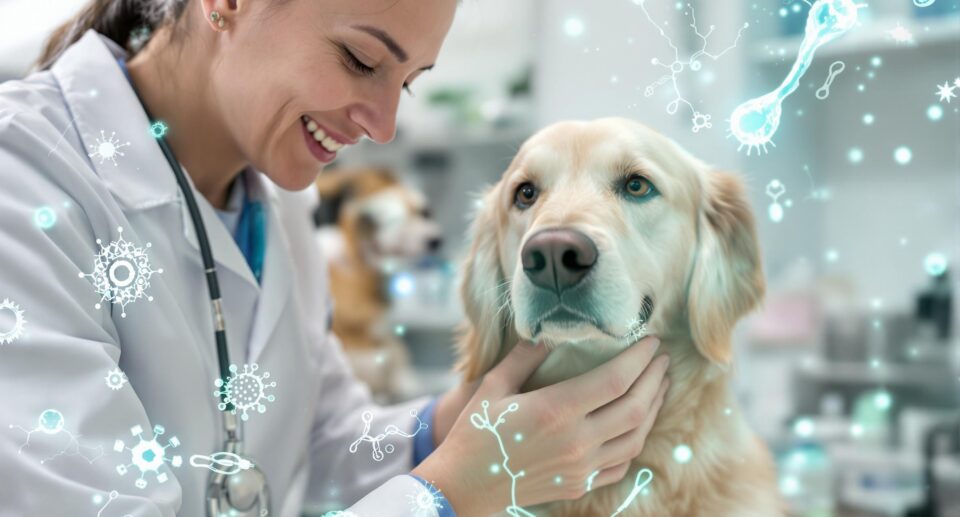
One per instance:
(575,350)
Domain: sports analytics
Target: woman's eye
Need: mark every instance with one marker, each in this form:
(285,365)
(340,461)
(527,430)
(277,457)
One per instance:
(526,195)
(638,186)
(354,62)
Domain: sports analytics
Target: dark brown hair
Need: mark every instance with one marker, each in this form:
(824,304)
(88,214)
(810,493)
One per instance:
(123,21)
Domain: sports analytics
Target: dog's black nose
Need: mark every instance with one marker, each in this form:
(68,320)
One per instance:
(434,243)
(557,259)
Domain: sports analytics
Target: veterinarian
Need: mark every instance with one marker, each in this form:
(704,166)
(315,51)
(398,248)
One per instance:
(165,345)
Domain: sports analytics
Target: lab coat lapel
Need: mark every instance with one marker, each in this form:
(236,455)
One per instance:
(276,277)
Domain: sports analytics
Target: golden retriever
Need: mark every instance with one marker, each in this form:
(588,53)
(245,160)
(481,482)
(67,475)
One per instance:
(602,231)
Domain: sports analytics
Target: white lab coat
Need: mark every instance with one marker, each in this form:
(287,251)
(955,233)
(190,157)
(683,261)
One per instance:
(49,125)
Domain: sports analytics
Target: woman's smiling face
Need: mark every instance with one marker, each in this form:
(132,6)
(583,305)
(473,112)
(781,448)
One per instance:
(336,68)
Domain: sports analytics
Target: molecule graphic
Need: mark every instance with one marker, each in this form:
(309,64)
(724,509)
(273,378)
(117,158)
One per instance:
(482,422)
(148,455)
(115,379)
(835,68)
(644,478)
(775,189)
(110,497)
(158,129)
(226,463)
(426,502)
(755,121)
(390,430)
(678,66)
(16,330)
(121,272)
(51,423)
(244,391)
(107,148)
(45,217)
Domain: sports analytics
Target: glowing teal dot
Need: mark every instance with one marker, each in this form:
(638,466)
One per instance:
(935,264)
(789,485)
(573,27)
(831,255)
(882,400)
(518,437)
(494,469)
(876,61)
(934,112)
(796,8)
(558,480)
(784,12)
(803,427)
(399,330)
(97,499)
(45,217)
(861,87)
(868,119)
(855,155)
(682,453)
(903,155)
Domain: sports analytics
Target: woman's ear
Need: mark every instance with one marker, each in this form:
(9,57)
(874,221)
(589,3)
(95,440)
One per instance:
(727,279)
(484,291)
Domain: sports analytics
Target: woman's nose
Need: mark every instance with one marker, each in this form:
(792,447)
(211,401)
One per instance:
(378,116)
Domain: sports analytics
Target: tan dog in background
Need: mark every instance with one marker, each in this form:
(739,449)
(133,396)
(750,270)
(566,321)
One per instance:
(598,233)
(370,223)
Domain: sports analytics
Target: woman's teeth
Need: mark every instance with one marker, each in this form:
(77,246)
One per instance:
(321,136)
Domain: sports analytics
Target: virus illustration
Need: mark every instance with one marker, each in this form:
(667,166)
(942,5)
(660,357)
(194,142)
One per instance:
(158,129)
(754,122)
(244,391)
(636,330)
(9,335)
(700,121)
(148,455)
(115,379)
(945,91)
(51,423)
(107,148)
(679,65)
(121,273)
(390,430)
(425,502)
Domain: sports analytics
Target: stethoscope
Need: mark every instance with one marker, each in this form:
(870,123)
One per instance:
(247,489)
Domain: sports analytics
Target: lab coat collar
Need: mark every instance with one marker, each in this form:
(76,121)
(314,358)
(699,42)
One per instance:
(106,109)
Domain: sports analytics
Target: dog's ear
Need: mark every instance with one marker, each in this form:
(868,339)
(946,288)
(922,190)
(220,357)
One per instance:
(331,204)
(727,279)
(484,292)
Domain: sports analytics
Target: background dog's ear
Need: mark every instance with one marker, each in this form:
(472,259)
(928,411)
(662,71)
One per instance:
(331,203)
(727,279)
(484,292)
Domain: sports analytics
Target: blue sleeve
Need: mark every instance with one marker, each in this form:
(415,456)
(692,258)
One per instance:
(423,444)
(440,502)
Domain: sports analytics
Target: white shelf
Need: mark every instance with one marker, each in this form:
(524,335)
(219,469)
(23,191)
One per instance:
(870,37)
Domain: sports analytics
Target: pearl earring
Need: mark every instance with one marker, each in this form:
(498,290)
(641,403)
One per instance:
(216,18)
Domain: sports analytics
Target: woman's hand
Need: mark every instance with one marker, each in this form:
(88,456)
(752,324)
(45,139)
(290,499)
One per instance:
(557,435)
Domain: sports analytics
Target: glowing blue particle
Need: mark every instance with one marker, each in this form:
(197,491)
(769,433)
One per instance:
(876,61)
(558,480)
(789,485)
(855,155)
(796,7)
(804,427)
(244,390)
(861,87)
(754,122)
(494,468)
(148,455)
(935,264)
(402,284)
(784,12)
(868,119)
(389,430)
(831,255)
(573,27)
(518,437)
(882,400)
(682,453)
(903,155)
(45,217)
(934,112)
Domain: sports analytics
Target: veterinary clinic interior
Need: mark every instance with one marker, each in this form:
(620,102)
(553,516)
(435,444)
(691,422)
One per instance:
(845,139)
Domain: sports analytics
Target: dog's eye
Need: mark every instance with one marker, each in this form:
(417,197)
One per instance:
(638,186)
(526,195)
